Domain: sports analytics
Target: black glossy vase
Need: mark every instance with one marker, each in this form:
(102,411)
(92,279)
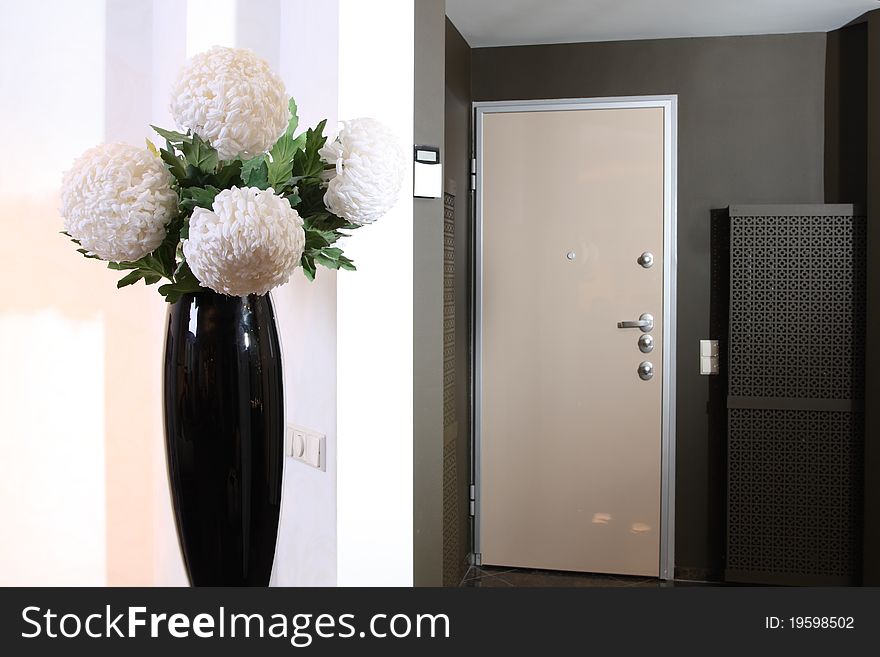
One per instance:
(224,435)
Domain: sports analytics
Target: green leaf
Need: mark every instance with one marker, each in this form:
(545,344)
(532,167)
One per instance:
(84,252)
(331,258)
(294,119)
(131,278)
(145,272)
(323,220)
(249,166)
(256,176)
(156,265)
(230,174)
(185,282)
(346,263)
(308,266)
(122,266)
(285,151)
(279,173)
(198,197)
(324,261)
(317,239)
(172,136)
(193,177)
(175,163)
(281,160)
(299,142)
(200,155)
(307,162)
(164,259)
(315,138)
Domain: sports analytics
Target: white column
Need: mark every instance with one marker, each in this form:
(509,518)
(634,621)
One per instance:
(375,316)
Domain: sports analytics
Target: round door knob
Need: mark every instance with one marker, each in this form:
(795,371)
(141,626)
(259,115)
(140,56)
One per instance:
(646,370)
(646,259)
(646,344)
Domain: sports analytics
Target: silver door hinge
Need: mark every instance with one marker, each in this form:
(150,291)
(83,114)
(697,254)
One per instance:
(473,174)
(473,499)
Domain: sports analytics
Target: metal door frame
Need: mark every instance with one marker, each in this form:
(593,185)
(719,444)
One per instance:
(669,103)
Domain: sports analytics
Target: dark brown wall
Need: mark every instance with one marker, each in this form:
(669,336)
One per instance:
(751,130)
(457,163)
(852,142)
(846,115)
(872,356)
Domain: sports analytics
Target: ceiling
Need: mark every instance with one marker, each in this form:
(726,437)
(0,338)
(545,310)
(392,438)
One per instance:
(520,22)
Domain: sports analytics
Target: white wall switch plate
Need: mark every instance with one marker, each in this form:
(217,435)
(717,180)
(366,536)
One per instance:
(708,357)
(307,446)
(708,347)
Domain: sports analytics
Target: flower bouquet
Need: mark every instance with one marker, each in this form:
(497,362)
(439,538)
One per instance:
(238,199)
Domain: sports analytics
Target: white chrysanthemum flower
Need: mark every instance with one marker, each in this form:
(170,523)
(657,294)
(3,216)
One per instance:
(117,201)
(250,243)
(232,99)
(370,165)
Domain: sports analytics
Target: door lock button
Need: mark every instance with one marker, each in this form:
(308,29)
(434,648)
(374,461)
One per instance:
(646,371)
(646,344)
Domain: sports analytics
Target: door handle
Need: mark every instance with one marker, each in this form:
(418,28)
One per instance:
(644,322)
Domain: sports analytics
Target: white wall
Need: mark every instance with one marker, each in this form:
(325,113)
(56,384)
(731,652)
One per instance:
(375,320)
(52,484)
(53,515)
(74,387)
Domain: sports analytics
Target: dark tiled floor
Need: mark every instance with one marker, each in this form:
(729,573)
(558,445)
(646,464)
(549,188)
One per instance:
(495,576)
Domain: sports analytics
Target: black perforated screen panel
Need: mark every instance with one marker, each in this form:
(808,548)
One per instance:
(797,315)
(795,394)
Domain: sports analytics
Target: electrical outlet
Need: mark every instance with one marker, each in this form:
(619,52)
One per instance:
(307,446)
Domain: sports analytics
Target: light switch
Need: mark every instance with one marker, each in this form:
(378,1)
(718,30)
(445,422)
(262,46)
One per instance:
(708,357)
(298,444)
(708,365)
(307,446)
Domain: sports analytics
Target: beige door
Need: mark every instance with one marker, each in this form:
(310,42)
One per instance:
(570,434)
